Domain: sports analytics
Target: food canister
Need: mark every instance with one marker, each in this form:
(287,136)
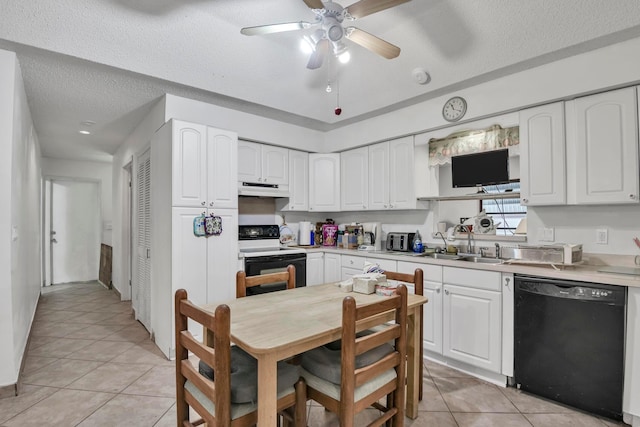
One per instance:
(329,234)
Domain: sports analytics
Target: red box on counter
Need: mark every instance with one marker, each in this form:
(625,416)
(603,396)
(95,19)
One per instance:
(329,235)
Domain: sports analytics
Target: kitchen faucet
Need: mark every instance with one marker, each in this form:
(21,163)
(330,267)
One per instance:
(497,250)
(469,247)
(443,239)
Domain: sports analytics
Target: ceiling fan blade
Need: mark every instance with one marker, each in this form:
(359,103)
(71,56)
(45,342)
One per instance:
(317,58)
(368,7)
(373,43)
(275,28)
(314,4)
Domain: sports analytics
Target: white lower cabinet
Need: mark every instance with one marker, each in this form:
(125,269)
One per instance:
(315,268)
(331,267)
(472,317)
(472,326)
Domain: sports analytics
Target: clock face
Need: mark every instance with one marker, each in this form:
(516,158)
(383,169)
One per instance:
(454,109)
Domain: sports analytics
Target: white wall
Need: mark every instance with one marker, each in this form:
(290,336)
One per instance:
(100,171)
(134,145)
(593,71)
(248,126)
(20,230)
(599,70)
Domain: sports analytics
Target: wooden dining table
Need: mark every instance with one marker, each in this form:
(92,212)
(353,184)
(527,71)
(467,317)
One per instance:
(277,325)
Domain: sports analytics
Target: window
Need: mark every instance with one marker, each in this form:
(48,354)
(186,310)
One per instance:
(506,213)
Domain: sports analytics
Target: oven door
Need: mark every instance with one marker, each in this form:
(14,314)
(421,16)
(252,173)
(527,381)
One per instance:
(255,266)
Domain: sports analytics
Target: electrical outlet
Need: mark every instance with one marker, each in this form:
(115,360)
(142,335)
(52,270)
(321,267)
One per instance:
(602,236)
(546,234)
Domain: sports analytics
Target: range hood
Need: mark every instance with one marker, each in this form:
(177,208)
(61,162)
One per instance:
(262,190)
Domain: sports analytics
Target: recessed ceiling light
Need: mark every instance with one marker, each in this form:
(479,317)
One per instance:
(84,132)
(88,123)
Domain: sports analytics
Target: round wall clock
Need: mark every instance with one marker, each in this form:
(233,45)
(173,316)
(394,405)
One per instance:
(454,109)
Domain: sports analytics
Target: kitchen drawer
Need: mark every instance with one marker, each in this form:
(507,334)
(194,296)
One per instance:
(432,273)
(479,279)
(351,261)
(385,264)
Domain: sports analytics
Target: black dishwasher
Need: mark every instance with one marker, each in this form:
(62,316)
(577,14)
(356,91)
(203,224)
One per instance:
(569,342)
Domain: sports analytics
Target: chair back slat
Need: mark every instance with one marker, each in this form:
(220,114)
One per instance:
(368,342)
(188,309)
(203,383)
(243,281)
(369,372)
(203,352)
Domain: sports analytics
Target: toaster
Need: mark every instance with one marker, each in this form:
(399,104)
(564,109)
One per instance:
(399,241)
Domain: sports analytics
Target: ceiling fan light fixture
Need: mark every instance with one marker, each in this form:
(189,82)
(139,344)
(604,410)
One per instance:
(344,57)
(307,46)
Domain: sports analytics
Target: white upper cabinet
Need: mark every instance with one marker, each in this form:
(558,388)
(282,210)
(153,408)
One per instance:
(262,164)
(402,193)
(189,178)
(542,155)
(298,181)
(204,163)
(249,161)
(602,148)
(324,182)
(275,165)
(222,169)
(379,176)
(391,175)
(354,176)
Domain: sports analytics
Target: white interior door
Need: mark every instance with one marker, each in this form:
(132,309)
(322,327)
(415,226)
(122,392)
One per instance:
(74,233)
(141,285)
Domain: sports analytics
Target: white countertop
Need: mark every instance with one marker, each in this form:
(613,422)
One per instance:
(585,272)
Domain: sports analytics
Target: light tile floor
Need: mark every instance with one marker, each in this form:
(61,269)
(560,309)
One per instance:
(90,363)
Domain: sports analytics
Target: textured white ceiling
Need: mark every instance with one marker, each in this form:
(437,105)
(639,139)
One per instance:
(108,60)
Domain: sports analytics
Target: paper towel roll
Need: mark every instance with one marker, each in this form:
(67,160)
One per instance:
(304,233)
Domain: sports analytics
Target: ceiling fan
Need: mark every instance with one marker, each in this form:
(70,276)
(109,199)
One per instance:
(330,33)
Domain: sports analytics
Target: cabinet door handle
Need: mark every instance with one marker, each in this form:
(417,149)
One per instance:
(437,290)
(210,203)
(390,205)
(203,203)
(632,196)
(446,291)
(385,206)
(506,282)
(525,201)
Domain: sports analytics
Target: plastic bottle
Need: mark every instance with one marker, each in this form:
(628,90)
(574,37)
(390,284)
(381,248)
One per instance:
(417,242)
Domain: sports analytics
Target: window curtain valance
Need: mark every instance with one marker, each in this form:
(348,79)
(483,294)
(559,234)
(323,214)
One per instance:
(474,141)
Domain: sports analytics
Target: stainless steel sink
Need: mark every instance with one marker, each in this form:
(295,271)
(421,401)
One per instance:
(445,256)
(482,260)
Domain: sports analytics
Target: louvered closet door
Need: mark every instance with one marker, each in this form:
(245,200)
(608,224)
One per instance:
(141,292)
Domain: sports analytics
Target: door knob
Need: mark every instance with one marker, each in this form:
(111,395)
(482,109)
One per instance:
(54,241)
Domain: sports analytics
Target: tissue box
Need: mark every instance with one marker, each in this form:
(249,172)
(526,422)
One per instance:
(366,283)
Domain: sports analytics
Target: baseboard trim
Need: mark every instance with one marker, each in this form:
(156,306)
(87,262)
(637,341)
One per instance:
(8,391)
(117,292)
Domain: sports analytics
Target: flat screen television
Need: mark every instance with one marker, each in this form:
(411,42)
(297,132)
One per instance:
(480,169)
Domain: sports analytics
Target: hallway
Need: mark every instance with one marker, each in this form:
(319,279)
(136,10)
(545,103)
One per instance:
(91,364)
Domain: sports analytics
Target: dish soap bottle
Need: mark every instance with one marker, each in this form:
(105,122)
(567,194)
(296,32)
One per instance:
(417,242)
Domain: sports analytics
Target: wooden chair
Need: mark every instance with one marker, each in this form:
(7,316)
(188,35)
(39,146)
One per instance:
(243,281)
(418,285)
(213,398)
(367,367)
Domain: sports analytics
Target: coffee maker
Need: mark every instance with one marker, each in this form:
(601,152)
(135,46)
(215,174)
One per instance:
(373,232)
